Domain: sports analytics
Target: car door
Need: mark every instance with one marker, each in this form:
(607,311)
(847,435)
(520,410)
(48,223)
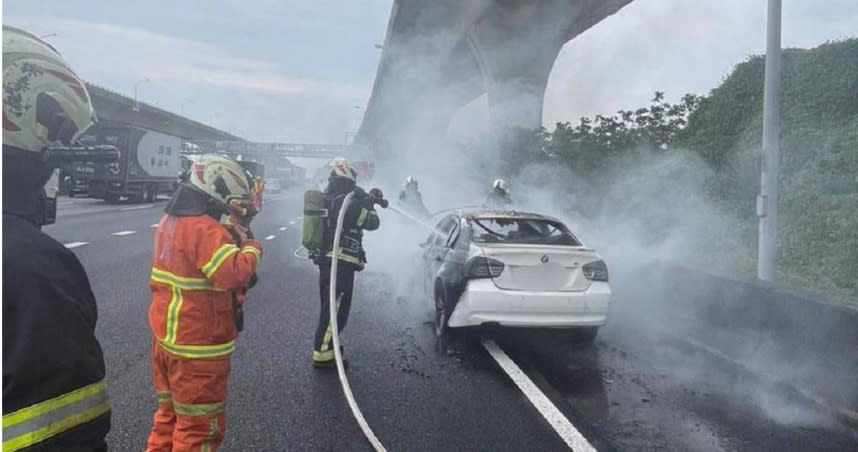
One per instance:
(434,252)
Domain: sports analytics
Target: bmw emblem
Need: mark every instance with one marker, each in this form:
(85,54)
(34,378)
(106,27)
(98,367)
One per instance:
(544,259)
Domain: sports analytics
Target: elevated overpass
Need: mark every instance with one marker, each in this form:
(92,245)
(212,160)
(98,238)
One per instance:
(114,109)
(438,56)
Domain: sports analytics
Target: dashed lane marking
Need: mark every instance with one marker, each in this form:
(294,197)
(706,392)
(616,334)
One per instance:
(153,226)
(283,228)
(149,206)
(291,222)
(570,435)
(270,237)
(71,245)
(121,233)
(301,253)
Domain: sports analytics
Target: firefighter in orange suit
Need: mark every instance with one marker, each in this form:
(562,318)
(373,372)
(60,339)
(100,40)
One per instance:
(198,269)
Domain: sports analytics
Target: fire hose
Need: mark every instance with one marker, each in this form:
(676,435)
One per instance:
(333,305)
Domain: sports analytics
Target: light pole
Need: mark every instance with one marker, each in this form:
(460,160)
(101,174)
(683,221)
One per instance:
(767,202)
(136,85)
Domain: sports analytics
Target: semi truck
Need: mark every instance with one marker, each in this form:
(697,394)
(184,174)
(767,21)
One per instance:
(148,164)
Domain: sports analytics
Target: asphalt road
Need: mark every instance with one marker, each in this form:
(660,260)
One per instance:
(636,388)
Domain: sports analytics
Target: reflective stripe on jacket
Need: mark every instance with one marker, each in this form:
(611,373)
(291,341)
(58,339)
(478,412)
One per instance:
(196,268)
(37,423)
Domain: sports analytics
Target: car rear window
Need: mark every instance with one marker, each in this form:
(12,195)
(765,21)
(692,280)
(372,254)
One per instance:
(525,231)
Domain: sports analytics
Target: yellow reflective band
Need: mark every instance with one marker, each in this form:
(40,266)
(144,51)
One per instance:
(362,217)
(184,283)
(199,351)
(346,258)
(199,409)
(252,250)
(213,432)
(323,356)
(218,259)
(164,397)
(173,310)
(39,422)
(326,341)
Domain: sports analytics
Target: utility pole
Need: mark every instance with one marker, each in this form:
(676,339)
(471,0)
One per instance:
(767,201)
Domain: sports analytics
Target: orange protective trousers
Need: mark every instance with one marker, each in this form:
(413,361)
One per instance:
(191,412)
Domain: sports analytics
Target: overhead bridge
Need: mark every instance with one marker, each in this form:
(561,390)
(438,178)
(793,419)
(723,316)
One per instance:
(440,55)
(115,109)
(252,149)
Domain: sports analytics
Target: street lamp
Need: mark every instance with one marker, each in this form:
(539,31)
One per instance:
(767,202)
(136,85)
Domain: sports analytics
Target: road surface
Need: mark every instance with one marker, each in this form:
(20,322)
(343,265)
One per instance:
(636,388)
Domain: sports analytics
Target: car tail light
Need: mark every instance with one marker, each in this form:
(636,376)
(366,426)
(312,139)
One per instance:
(596,271)
(484,267)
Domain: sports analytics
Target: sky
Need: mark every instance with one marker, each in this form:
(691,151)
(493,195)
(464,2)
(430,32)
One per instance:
(302,71)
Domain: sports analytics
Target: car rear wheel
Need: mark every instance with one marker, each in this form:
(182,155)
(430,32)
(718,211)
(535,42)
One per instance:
(585,335)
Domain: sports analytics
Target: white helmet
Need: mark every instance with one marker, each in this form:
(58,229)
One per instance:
(500,184)
(410,180)
(341,167)
(44,101)
(224,180)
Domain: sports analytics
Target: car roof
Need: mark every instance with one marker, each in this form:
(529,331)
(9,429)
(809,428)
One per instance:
(478,213)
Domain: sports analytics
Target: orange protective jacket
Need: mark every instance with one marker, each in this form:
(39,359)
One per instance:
(196,267)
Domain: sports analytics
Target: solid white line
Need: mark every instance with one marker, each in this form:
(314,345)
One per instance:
(71,245)
(121,233)
(138,207)
(270,237)
(283,228)
(573,438)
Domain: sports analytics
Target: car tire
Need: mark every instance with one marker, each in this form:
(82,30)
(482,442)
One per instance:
(151,194)
(587,334)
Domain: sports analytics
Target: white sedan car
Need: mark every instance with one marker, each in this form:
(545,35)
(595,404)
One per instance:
(513,269)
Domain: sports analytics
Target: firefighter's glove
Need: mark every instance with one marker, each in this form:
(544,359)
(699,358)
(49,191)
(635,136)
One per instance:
(242,232)
(377,197)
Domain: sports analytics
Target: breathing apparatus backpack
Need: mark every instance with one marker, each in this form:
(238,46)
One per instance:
(315,216)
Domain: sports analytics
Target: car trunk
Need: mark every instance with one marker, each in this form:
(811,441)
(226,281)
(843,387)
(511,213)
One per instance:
(545,268)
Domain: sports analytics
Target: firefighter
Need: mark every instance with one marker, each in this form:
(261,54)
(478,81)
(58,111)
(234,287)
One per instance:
(54,391)
(204,260)
(360,216)
(411,200)
(499,197)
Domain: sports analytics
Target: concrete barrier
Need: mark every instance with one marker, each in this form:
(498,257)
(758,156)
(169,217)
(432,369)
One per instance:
(798,339)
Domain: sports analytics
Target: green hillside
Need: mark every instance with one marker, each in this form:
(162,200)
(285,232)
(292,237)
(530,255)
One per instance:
(818,205)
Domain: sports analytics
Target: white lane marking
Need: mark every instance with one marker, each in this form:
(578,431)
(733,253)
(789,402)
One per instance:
(121,233)
(153,226)
(71,245)
(284,228)
(291,222)
(270,237)
(301,255)
(573,438)
(149,206)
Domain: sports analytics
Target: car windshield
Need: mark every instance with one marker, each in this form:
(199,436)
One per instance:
(528,231)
